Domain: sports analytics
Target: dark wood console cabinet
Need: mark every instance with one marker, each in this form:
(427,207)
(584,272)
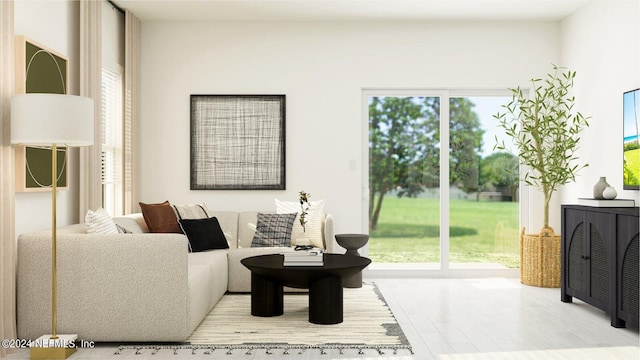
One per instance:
(600,260)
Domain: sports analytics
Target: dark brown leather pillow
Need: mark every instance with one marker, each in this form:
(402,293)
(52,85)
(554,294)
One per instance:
(160,218)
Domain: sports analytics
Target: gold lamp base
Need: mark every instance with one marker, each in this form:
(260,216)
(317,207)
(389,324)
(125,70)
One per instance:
(47,348)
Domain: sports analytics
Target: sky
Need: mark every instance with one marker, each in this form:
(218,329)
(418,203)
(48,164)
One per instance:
(486,107)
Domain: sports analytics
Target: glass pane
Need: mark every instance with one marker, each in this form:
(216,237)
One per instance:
(483,201)
(404,148)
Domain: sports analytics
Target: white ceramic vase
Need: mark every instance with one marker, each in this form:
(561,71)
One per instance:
(609,193)
(599,187)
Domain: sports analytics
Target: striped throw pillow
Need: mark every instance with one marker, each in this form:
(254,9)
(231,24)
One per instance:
(191,211)
(315,215)
(100,222)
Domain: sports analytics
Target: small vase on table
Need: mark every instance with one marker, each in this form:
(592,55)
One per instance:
(598,188)
(609,193)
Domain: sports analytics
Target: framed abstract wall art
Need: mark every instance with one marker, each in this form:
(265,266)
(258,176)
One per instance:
(39,70)
(238,142)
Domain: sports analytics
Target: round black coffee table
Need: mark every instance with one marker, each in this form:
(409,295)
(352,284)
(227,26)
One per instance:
(269,276)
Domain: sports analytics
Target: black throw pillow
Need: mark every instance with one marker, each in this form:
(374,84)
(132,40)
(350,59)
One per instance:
(203,234)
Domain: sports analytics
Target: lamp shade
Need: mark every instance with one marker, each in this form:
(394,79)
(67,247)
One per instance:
(45,119)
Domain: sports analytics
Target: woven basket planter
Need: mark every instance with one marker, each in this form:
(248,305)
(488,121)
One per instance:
(540,258)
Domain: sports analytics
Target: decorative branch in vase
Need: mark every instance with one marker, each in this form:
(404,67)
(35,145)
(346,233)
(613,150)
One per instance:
(304,206)
(302,243)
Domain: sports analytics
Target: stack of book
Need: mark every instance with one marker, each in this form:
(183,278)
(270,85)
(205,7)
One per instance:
(311,257)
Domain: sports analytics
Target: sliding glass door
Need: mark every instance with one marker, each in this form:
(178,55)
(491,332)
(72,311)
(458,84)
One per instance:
(404,177)
(414,222)
(483,187)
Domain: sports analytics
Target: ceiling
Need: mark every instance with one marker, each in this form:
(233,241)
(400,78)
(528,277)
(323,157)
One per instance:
(351,10)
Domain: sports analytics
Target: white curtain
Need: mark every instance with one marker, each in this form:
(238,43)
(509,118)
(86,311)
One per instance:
(90,81)
(131,112)
(8,242)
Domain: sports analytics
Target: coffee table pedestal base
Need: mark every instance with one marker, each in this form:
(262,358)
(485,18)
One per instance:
(325,301)
(267,297)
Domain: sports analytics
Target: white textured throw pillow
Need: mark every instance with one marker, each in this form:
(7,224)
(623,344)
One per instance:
(100,222)
(191,211)
(314,221)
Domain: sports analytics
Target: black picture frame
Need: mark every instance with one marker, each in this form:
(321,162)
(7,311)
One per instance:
(630,140)
(238,142)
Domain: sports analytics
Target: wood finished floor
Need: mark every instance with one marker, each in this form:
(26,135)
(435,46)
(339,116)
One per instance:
(455,319)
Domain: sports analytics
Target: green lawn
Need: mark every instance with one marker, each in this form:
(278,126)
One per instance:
(408,231)
(632,158)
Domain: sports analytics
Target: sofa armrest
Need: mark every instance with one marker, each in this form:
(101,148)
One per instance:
(131,287)
(328,234)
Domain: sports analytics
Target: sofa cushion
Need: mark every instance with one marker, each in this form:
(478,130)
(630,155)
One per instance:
(228,221)
(273,230)
(313,227)
(100,222)
(160,218)
(208,277)
(247,221)
(203,234)
(133,223)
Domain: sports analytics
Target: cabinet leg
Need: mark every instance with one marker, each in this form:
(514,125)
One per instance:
(617,322)
(566,298)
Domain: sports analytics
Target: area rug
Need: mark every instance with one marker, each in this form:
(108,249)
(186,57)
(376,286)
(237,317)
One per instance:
(368,323)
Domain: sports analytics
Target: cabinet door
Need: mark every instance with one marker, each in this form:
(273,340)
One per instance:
(574,238)
(627,270)
(600,238)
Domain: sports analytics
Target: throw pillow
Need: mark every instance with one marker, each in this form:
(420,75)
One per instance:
(160,218)
(203,234)
(273,230)
(192,211)
(314,217)
(100,222)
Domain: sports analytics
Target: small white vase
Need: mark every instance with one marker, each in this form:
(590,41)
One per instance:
(609,193)
(302,241)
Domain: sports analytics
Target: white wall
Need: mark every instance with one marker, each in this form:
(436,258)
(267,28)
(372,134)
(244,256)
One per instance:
(602,44)
(54,24)
(322,68)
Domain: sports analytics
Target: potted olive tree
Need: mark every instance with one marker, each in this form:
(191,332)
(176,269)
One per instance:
(545,131)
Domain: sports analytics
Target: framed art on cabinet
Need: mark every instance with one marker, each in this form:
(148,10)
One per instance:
(238,142)
(39,70)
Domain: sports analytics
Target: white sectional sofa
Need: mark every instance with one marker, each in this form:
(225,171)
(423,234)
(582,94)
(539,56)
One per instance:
(138,287)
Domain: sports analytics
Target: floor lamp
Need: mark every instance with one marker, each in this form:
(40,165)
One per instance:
(51,120)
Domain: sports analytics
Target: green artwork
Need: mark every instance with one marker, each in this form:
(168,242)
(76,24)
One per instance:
(45,72)
(38,167)
(39,70)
